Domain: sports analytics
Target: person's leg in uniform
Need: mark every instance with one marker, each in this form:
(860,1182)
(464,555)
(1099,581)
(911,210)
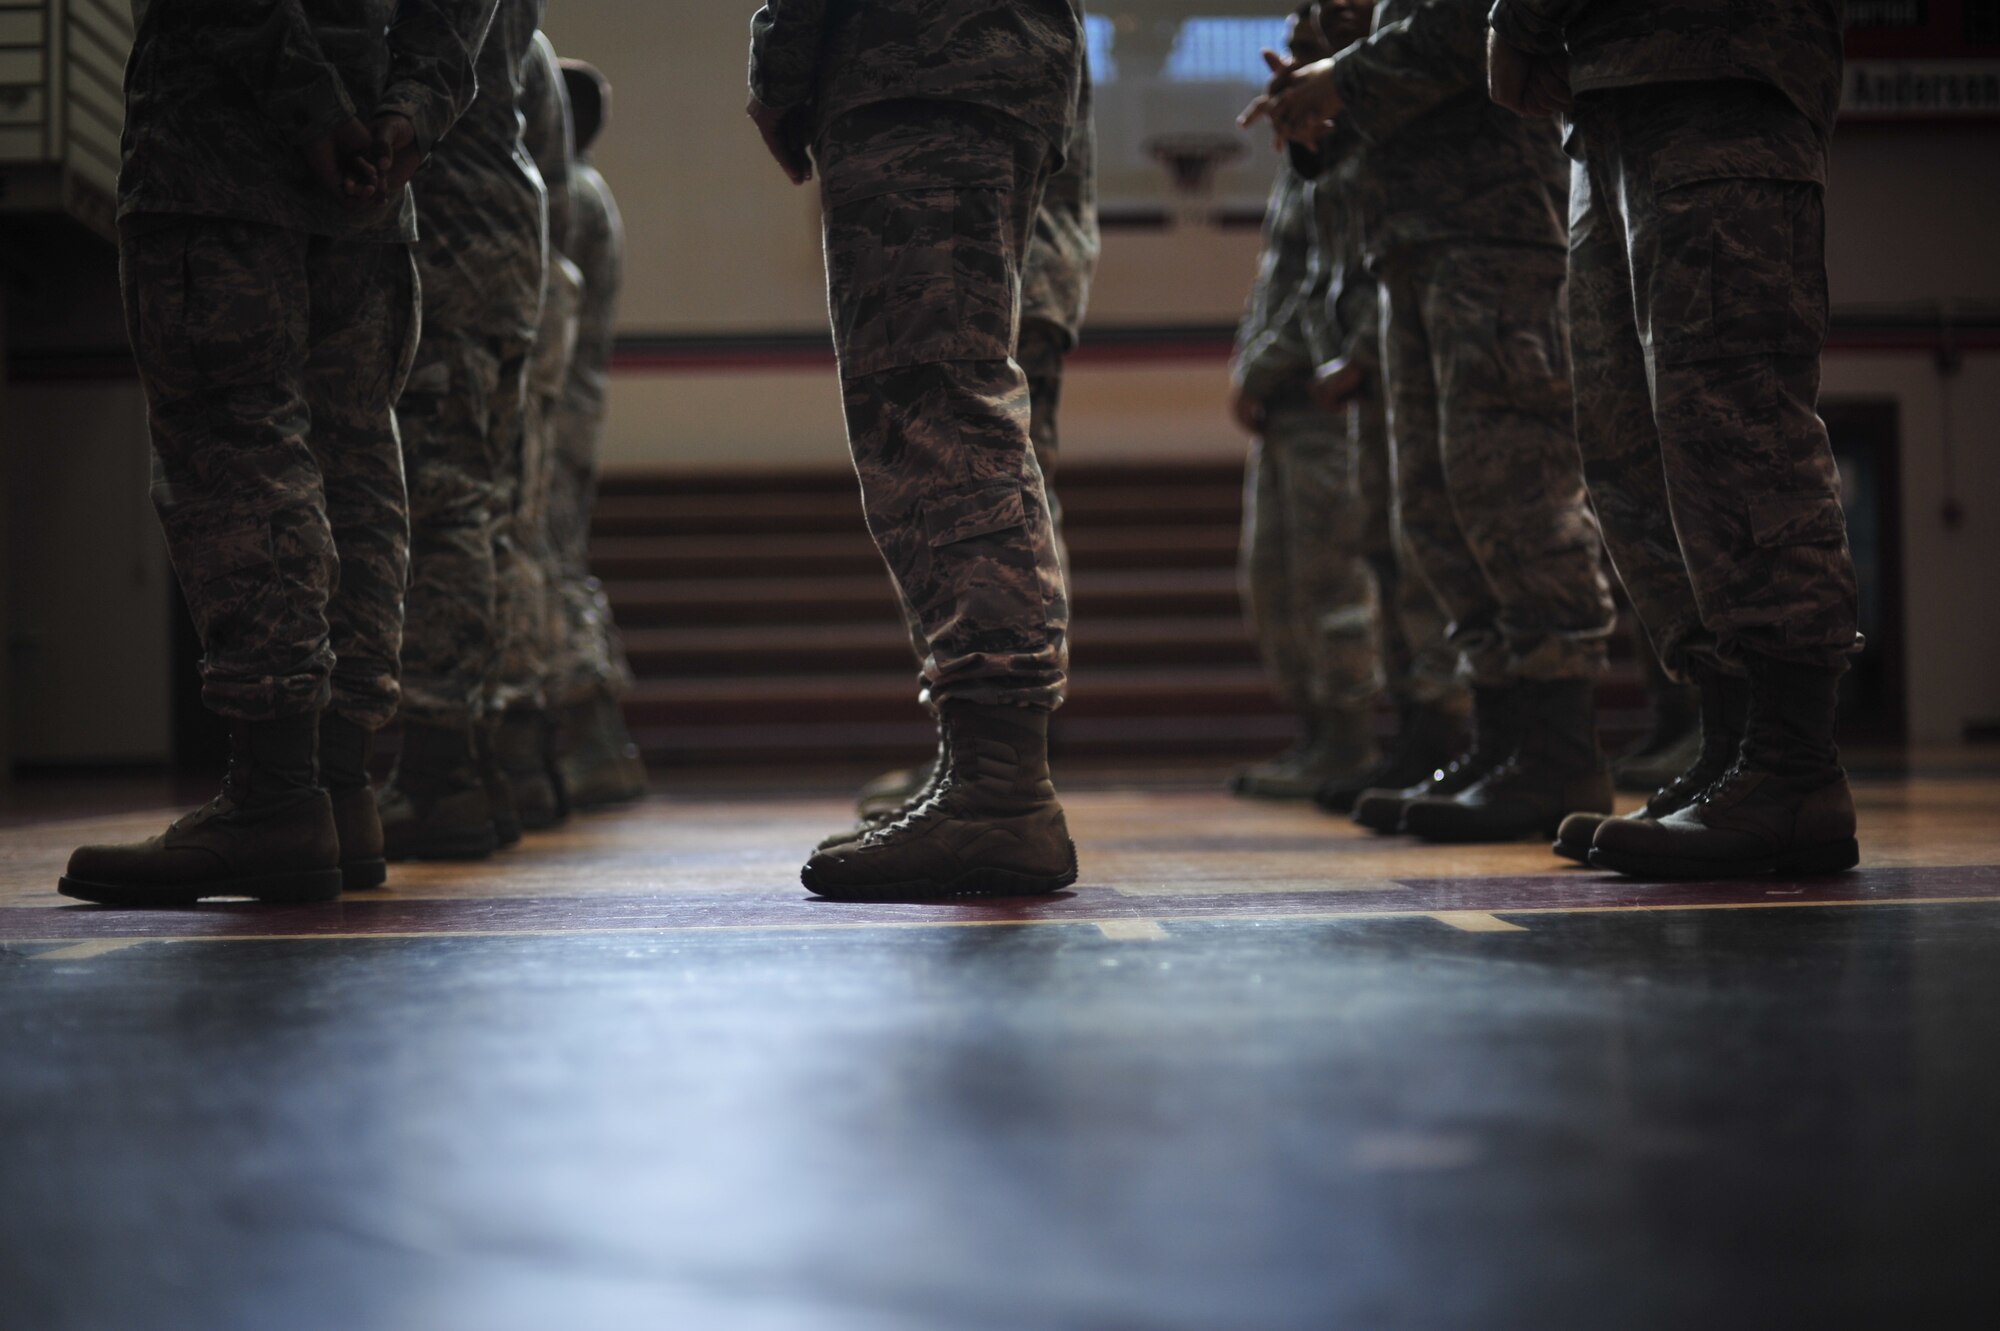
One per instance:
(220,318)
(1420,666)
(458,418)
(600,764)
(365,315)
(1621,458)
(524,738)
(1725,236)
(1523,580)
(1039,352)
(1515,481)
(928,210)
(1437,556)
(1264,582)
(1312,599)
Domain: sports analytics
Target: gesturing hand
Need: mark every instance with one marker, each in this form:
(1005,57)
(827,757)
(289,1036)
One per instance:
(784,138)
(1301,102)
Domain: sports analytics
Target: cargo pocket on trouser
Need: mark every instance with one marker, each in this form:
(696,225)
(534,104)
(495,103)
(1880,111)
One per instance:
(921,276)
(979,588)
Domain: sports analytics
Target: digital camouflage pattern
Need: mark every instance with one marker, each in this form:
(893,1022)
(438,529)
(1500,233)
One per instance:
(929,206)
(588,656)
(1273,355)
(221,95)
(525,568)
(1062,255)
(1697,412)
(1419,664)
(1489,485)
(271,360)
(1443,163)
(830,57)
(483,216)
(1339,309)
(1306,585)
(1791,45)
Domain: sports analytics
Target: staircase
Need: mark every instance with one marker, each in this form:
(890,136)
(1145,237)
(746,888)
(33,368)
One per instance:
(762,628)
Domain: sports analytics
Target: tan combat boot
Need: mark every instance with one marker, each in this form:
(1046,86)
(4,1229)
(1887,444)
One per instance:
(991,826)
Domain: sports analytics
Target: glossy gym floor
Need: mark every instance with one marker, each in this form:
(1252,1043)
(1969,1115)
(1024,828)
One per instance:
(1258,1070)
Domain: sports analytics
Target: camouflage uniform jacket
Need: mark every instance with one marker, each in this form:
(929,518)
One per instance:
(1792,45)
(546,134)
(1273,355)
(1062,256)
(221,96)
(597,246)
(1021,57)
(480,200)
(1444,163)
(1340,297)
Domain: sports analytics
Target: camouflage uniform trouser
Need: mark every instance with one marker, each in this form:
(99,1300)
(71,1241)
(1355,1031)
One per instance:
(588,656)
(929,206)
(1309,591)
(462,419)
(529,603)
(1698,303)
(1040,356)
(272,360)
(1489,484)
(1419,664)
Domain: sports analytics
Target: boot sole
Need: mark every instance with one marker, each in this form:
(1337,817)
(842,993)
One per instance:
(360,875)
(971,883)
(1833,857)
(609,801)
(1379,815)
(1418,822)
(464,846)
(291,889)
(1569,850)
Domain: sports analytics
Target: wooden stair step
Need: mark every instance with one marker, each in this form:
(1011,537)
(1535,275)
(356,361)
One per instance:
(676,602)
(720,555)
(881,645)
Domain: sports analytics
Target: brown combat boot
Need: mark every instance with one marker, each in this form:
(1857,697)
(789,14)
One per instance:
(596,760)
(435,805)
(523,744)
(876,803)
(1336,744)
(991,827)
(1555,767)
(268,835)
(1497,721)
(1725,703)
(1782,807)
(343,770)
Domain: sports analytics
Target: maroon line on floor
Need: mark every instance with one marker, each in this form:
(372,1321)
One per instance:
(790,907)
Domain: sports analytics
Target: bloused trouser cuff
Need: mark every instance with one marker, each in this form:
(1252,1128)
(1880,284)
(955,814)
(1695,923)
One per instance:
(1699,293)
(1489,484)
(461,419)
(928,209)
(271,361)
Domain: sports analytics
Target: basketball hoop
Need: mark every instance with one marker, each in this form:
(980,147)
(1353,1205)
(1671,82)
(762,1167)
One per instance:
(1191,161)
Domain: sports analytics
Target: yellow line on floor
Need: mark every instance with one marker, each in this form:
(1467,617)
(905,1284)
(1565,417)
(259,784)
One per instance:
(1132,931)
(1476,922)
(406,935)
(96,947)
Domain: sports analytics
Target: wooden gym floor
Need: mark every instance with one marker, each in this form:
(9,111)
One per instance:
(1259,1069)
